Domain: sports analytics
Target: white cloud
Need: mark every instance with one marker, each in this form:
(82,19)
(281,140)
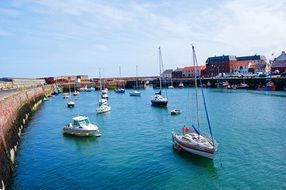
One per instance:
(129,32)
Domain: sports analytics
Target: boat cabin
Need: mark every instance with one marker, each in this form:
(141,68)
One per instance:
(80,121)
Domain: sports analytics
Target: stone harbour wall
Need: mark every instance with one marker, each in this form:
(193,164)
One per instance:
(15,111)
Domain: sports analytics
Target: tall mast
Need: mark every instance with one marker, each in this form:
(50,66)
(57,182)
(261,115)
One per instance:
(160,60)
(100,85)
(196,89)
(136,76)
(204,100)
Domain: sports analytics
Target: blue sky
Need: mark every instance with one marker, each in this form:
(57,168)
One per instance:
(61,37)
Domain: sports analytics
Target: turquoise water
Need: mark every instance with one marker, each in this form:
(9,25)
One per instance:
(135,150)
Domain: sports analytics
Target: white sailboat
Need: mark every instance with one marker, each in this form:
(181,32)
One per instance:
(103,106)
(195,142)
(158,99)
(135,92)
(120,90)
(70,103)
(181,85)
(171,86)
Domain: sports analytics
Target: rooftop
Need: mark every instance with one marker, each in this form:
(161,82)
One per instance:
(192,68)
(80,118)
(221,58)
(239,63)
(281,57)
(252,57)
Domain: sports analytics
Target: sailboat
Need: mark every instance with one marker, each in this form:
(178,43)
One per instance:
(70,103)
(171,86)
(158,99)
(120,90)
(103,106)
(193,141)
(135,92)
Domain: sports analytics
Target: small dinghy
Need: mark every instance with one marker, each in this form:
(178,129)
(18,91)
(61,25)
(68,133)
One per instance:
(81,127)
(176,112)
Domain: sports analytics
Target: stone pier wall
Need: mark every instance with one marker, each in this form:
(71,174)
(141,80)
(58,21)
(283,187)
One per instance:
(15,111)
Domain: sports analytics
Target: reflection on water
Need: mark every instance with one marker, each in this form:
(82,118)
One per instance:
(203,163)
(81,142)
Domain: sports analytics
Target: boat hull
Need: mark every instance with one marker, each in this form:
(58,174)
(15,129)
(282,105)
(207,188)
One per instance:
(159,103)
(103,110)
(193,149)
(70,105)
(135,94)
(81,133)
(120,91)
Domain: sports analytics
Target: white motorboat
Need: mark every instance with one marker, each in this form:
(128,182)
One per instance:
(81,126)
(103,106)
(158,99)
(242,86)
(181,85)
(120,90)
(195,142)
(176,112)
(103,109)
(102,102)
(104,91)
(84,89)
(76,93)
(135,93)
(104,96)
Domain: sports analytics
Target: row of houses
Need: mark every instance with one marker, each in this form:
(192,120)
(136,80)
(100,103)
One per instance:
(230,64)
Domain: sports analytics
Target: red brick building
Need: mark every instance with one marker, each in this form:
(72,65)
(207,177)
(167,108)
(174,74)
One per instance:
(219,64)
(279,63)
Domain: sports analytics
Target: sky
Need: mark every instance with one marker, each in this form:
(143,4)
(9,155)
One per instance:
(40,38)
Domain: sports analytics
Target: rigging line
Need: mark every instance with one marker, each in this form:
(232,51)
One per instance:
(204,100)
(162,67)
(160,57)
(196,91)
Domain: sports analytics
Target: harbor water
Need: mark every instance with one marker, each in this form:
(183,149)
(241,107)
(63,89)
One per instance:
(135,149)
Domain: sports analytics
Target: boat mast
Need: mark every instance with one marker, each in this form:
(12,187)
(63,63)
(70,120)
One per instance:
(136,77)
(160,59)
(196,90)
(70,90)
(100,85)
(204,100)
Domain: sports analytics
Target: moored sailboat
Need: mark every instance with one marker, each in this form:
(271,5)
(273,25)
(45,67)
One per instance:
(135,92)
(103,106)
(70,103)
(158,99)
(195,142)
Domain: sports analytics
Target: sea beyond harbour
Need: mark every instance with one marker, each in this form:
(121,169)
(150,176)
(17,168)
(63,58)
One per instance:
(135,149)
